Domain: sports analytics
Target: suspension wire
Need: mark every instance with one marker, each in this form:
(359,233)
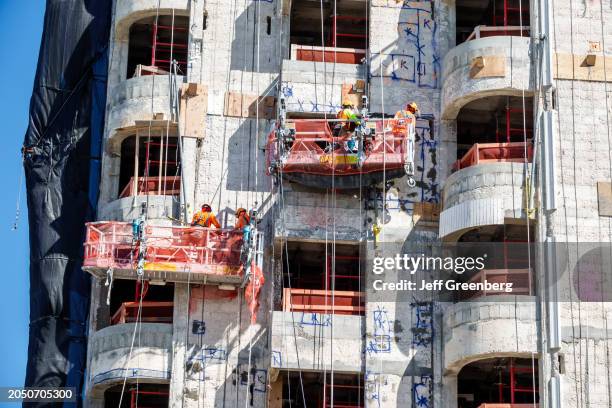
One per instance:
(528,185)
(18,203)
(257,25)
(604,316)
(577,366)
(137,328)
(384,187)
(285,252)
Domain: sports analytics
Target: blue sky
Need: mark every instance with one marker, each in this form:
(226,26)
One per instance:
(21,24)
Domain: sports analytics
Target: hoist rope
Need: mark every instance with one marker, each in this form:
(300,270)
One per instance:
(609,148)
(528,186)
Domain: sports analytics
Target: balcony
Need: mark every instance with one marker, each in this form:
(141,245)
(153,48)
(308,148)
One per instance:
(493,325)
(323,301)
(497,65)
(150,312)
(485,153)
(170,186)
(521,280)
(111,360)
(137,99)
(494,155)
(177,254)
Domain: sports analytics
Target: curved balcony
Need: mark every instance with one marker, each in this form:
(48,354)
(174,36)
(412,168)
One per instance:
(484,193)
(150,360)
(495,327)
(138,98)
(128,11)
(484,67)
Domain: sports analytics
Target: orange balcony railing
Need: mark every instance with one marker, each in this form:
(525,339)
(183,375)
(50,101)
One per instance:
(323,301)
(482,153)
(521,280)
(328,54)
(150,312)
(170,185)
(174,253)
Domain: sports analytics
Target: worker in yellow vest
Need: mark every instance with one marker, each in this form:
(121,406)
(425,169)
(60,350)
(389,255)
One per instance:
(349,116)
(205,218)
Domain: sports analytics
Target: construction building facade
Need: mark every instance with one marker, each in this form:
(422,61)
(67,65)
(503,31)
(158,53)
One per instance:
(232,103)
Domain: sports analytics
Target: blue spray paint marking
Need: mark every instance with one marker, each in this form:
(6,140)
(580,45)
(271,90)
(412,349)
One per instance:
(422,391)
(422,331)
(130,373)
(416,57)
(277,358)
(258,379)
(381,343)
(372,387)
(315,319)
(206,356)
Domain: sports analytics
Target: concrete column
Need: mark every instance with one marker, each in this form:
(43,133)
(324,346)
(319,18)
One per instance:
(179,344)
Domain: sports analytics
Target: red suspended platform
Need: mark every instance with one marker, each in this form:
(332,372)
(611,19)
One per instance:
(313,156)
(176,254)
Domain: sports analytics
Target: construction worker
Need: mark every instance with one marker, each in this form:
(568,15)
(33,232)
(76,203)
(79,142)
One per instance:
(399,122)
(242,219)
(205,218)
(349,115)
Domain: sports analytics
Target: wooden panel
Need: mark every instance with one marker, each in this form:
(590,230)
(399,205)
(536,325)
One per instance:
(275,395)
(245,106)
(354,92)
(426,212)
(568,66)
(604,198)
(194,106)
(487,67)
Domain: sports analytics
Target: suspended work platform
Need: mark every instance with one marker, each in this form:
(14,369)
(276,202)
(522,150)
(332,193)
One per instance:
(178,254)
(309,152)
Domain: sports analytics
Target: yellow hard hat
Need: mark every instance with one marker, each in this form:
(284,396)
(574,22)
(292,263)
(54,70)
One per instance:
(413,106)
(346,102)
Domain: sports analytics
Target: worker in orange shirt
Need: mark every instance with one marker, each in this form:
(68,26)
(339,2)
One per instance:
(242,219)
(409,112)
(205,218)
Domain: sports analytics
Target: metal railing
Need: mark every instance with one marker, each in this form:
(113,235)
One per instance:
(482,153)
(320,301)
(112,244)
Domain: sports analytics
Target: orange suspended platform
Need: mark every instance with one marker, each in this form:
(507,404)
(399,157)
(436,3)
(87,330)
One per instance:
(311,155)
(175,254)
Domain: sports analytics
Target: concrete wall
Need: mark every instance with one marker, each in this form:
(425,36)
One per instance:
(316,87)
(314,341)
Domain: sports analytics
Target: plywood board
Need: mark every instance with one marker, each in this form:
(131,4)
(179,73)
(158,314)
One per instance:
(487,67)
(573,66)
(352,93)
(604,198)
(194,106)
(425,211)
(245,106)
